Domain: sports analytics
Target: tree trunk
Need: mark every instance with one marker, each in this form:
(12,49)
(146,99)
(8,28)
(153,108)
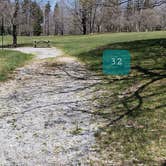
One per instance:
(62,33)
(98,28)
(84,23)
(56,29)
(14,35)
(62,27)
(84,29)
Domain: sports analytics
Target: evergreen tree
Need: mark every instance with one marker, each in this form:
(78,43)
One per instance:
(37,18)
(56,19)
(47,18)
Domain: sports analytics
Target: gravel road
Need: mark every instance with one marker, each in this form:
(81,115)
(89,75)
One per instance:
(41,53)
(45,113)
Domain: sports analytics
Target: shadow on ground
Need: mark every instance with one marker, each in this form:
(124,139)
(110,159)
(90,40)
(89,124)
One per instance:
(148,67)
(135,104)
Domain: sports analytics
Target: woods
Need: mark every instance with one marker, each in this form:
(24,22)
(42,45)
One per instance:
(31,18)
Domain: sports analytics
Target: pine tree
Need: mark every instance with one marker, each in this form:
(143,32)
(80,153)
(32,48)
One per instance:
(47,18)
(56,19)
(37,18)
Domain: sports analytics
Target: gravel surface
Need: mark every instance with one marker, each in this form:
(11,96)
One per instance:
(41,53)
(46,114)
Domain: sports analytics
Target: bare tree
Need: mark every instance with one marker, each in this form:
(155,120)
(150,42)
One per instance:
(15,22)
(83,16)
(47,18)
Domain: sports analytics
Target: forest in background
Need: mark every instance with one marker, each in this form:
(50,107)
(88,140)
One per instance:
(32,18)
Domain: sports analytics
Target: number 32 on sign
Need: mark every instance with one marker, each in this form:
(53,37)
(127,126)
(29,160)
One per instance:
(116,62)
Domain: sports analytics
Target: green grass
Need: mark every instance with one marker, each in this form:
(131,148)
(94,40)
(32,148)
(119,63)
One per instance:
(77,44)
(136,109)
(135,104)
(139,136)
(10,60)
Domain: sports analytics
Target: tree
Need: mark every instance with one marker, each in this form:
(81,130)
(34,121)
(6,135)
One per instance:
(88,13)
(56,17)
(47,18)
(15,22)
(85,12)
(37,18)
(26,19)
(62,8)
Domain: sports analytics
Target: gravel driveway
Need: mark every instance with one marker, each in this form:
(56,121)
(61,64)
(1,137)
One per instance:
(45,113)
(41,53)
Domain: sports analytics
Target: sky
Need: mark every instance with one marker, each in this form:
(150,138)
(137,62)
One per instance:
(52,2)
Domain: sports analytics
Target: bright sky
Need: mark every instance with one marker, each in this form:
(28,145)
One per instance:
(52,2)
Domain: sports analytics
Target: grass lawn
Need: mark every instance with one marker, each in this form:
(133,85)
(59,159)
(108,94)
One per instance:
(134,104)
(10,60)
